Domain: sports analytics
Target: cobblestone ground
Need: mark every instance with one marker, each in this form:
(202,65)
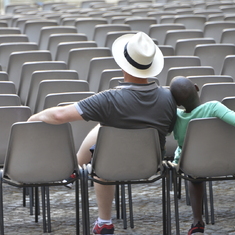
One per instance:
(147,211)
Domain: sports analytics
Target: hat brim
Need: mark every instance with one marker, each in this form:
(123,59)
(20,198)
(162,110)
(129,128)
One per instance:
(118,54)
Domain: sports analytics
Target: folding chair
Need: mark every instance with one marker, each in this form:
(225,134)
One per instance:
(9,100)
(22,168)
(228,66)
(7,87)
(126,165)
(228,36)
(229,102)
(203,157)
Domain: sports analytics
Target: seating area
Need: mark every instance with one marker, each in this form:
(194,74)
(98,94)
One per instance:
(56,52)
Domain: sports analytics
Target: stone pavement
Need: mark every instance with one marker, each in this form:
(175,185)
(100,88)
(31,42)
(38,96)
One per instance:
(147,211)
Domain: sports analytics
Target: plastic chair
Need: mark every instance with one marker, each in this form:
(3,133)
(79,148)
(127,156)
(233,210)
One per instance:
(141,24)
(9,100)
(214,54)
(228,66)
(173,35)
(100,32)
(63,48)
(79,59)
(187,46)
(97,66)
(22,168)
(229,102)
(7,48)
(158,31)
(205,137)
(4,76)
(32,28)
(106,76)
(228,36)
(188,71)
(55,39)
(7,87)
(176,61)
(87,25)
(27,70)
(124,165)
(37,94)
(214,29)
(46,31)
(191,21)
(3,24)
(167,50)
(6,38)
(17,59)
(10,115)
(216,91)
(160,13)
(10,30)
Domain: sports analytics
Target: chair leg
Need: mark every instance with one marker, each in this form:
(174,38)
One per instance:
(130,206)
(205,200)
(43,209)
(211,202)
(31,200)
(77,206)
(36,204)
(176,204)
(164,218)
(168,202)
(1,207)
(117,202)
(47,189)
(123,199)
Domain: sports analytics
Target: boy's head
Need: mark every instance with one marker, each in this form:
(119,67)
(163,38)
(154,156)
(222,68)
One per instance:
(184,91)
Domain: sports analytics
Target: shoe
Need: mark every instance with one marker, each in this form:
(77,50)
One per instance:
(197,229)
(103,228)
(69,185)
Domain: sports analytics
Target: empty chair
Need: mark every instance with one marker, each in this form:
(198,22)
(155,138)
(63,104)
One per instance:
(3,24)
(167,50)
(20,22)
(32,28)
(215,17)
(7,87)
(187,46)
(229,102)
(4,76)
(55,39)
(191,21)
(112,36)
(58,99)
(27,70)
(228,36)
(228,67)
(23,168)
(200,80)
(159,14)
(141,24)
(63,48)
(101,31)
(96,67)
(79,59)
(173,35)
(176,61)
(13,38)
(7,48)
(17,59)
(106,76)
(188,71)
(46,31)
(215,28)
(87,25)
(10,100)
(158,31)
(216,91)
(9,30)
(10,115)
(214,54)
(37,94)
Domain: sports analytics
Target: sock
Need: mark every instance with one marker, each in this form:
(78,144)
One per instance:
(101,221)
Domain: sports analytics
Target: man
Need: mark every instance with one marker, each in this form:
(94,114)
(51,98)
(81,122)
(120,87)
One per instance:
(186,94)
(133,104)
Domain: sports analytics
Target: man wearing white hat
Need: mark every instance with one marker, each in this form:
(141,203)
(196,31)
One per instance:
(133,104)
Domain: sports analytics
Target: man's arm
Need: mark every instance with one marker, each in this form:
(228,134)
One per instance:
(57,115)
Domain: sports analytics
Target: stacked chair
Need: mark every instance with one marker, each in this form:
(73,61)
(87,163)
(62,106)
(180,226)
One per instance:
(55,53)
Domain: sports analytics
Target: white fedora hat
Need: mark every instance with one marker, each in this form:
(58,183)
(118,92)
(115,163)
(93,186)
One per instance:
(138,55)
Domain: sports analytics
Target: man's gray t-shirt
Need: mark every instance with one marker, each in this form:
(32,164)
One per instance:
(132,106)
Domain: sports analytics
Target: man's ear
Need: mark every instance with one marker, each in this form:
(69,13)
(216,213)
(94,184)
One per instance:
(197,88)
